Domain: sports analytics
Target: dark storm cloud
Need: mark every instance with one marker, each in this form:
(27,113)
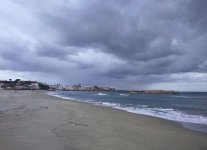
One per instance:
(147,40)
(154,32)
(198,13)
(51,50)
(108,25)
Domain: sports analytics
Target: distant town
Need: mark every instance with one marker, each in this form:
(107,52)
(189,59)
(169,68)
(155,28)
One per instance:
(35,85)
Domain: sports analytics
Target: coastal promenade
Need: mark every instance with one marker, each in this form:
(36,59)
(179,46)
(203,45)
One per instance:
(33,120)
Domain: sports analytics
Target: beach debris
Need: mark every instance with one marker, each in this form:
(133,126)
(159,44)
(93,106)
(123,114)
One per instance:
(69,122)
(77,124)
(43,107)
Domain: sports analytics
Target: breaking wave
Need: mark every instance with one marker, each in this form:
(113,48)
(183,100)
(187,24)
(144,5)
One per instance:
(102,94)
(169,114)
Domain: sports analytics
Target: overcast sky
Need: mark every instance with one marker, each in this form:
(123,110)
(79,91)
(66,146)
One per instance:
(128,44)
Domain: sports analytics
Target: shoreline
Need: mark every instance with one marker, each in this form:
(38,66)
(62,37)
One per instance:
(187,125)
(40,121)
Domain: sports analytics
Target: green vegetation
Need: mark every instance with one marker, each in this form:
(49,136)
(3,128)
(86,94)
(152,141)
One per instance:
(43,86)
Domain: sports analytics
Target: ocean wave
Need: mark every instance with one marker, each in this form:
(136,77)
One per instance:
(110,104)
(61,96)
(124,94)
(102,94)
(169,114)
(181,96)
(70,98)
(189,97)
(165,113)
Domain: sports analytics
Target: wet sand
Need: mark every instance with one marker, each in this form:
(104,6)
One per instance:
(32,120)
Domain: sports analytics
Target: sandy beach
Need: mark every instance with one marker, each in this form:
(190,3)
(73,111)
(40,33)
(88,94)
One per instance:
(33,120)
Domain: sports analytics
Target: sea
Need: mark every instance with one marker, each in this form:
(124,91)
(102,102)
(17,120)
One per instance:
(187,108)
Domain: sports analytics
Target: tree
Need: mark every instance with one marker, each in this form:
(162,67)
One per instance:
(43,86)
(16,81)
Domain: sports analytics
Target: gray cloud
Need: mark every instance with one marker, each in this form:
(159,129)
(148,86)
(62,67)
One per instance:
(124,41)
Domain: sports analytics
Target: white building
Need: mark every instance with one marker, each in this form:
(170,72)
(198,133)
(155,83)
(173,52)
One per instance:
(34,86)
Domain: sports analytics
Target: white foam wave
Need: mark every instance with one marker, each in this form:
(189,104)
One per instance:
(70,98)
(165,113)
(63,97)
(101,94)
(189,97)
(124,94)
(169,114)
(110,104)
(181,96)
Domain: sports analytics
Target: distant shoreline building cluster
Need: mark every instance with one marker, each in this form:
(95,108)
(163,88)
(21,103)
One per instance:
(79,87)
(22,85)
(35,85)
